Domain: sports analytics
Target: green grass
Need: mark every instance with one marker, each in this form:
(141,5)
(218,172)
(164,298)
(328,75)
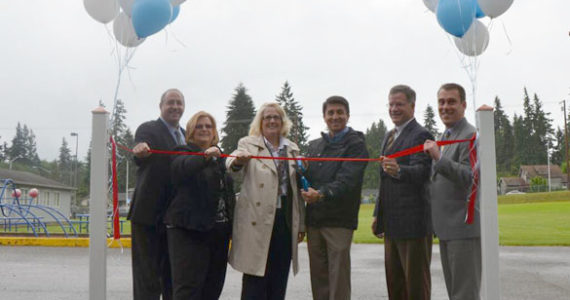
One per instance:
(535,197)
(526,224)
(535,224)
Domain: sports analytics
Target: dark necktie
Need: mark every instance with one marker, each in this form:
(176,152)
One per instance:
(390,142)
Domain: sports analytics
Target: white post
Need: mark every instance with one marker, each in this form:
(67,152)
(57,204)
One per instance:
(490,281)
(98,206)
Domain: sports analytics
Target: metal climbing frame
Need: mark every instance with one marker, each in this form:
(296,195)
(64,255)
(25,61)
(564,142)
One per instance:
(27,213)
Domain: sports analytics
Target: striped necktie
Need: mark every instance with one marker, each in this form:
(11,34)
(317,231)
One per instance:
(391,139)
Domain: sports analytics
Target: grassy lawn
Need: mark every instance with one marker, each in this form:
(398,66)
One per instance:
(529,224)
(535,224)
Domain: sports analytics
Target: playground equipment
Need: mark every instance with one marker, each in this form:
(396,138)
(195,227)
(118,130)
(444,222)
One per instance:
(25,211)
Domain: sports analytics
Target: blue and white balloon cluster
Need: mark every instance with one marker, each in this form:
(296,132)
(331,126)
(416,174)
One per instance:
(134,20)
(459,18)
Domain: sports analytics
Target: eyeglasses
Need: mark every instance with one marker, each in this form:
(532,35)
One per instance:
(269,117)
(200,126)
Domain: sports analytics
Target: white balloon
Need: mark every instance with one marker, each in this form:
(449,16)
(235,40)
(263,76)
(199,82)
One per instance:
(176,2)
(127,6)
(431,4)
(125,32)
(494,8)
(475,40)
(103,11)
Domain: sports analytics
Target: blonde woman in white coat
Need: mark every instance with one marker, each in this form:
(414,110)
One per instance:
(269,214)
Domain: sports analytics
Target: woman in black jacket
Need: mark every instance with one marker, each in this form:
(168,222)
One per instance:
(199,218)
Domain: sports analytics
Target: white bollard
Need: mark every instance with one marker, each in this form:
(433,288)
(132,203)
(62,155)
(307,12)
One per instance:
(98,206)
(490,281)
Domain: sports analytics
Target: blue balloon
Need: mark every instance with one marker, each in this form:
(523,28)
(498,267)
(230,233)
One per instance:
(150,16)
(456,16)
(479,12)
(175,12)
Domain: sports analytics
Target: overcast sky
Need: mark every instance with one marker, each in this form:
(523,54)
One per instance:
(57,62)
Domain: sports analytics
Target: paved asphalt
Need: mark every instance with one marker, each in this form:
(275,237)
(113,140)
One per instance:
(62,273)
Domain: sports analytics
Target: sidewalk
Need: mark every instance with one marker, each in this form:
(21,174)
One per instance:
(527,273)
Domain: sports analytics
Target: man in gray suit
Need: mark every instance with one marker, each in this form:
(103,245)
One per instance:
(451,179)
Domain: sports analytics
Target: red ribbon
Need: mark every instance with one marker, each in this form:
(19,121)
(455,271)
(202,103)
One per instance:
(116,228)
(409,151)
(474,169)
(413,150)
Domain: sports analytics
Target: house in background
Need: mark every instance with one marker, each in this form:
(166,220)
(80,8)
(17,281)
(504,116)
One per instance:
(508,184)
(51,193)
(522,183)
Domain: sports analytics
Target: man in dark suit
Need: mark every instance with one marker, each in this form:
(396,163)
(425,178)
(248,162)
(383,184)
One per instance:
(402,214)
(153,191)
(459,243)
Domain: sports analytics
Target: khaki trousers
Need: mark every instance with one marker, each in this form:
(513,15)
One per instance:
(329,259)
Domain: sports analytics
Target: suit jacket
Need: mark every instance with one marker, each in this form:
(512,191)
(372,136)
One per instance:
(153,189)
(450,187)
(402,207)
(199,185)
(256,205)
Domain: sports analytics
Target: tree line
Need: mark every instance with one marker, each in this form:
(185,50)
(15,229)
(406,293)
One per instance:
(524,139)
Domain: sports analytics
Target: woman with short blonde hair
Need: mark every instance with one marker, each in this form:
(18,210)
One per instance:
(191,127)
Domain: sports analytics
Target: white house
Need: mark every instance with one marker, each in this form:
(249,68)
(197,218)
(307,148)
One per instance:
(51,193)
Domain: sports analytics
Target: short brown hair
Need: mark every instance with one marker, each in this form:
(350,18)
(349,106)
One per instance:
(406,90)
(336,100)
(453,86)
(191,127)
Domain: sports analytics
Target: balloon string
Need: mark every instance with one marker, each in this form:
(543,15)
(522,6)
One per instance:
(508,38)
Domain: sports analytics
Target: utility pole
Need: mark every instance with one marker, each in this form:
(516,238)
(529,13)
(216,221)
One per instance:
(566,147)
(74,181)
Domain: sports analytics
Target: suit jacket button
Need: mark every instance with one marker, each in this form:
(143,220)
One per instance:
(253,223)
(258,203)
(261,185)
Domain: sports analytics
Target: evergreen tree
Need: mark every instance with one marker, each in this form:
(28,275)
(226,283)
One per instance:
(520,137)
(123,136)
(18,148)
(3,148)
(374,137)
(542,124)
(429,121)
(128,140)
(24,147)
(239,115)
(118,126)
(65,164)
(299,132)
(503,138)
(557,155)
(31,148)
